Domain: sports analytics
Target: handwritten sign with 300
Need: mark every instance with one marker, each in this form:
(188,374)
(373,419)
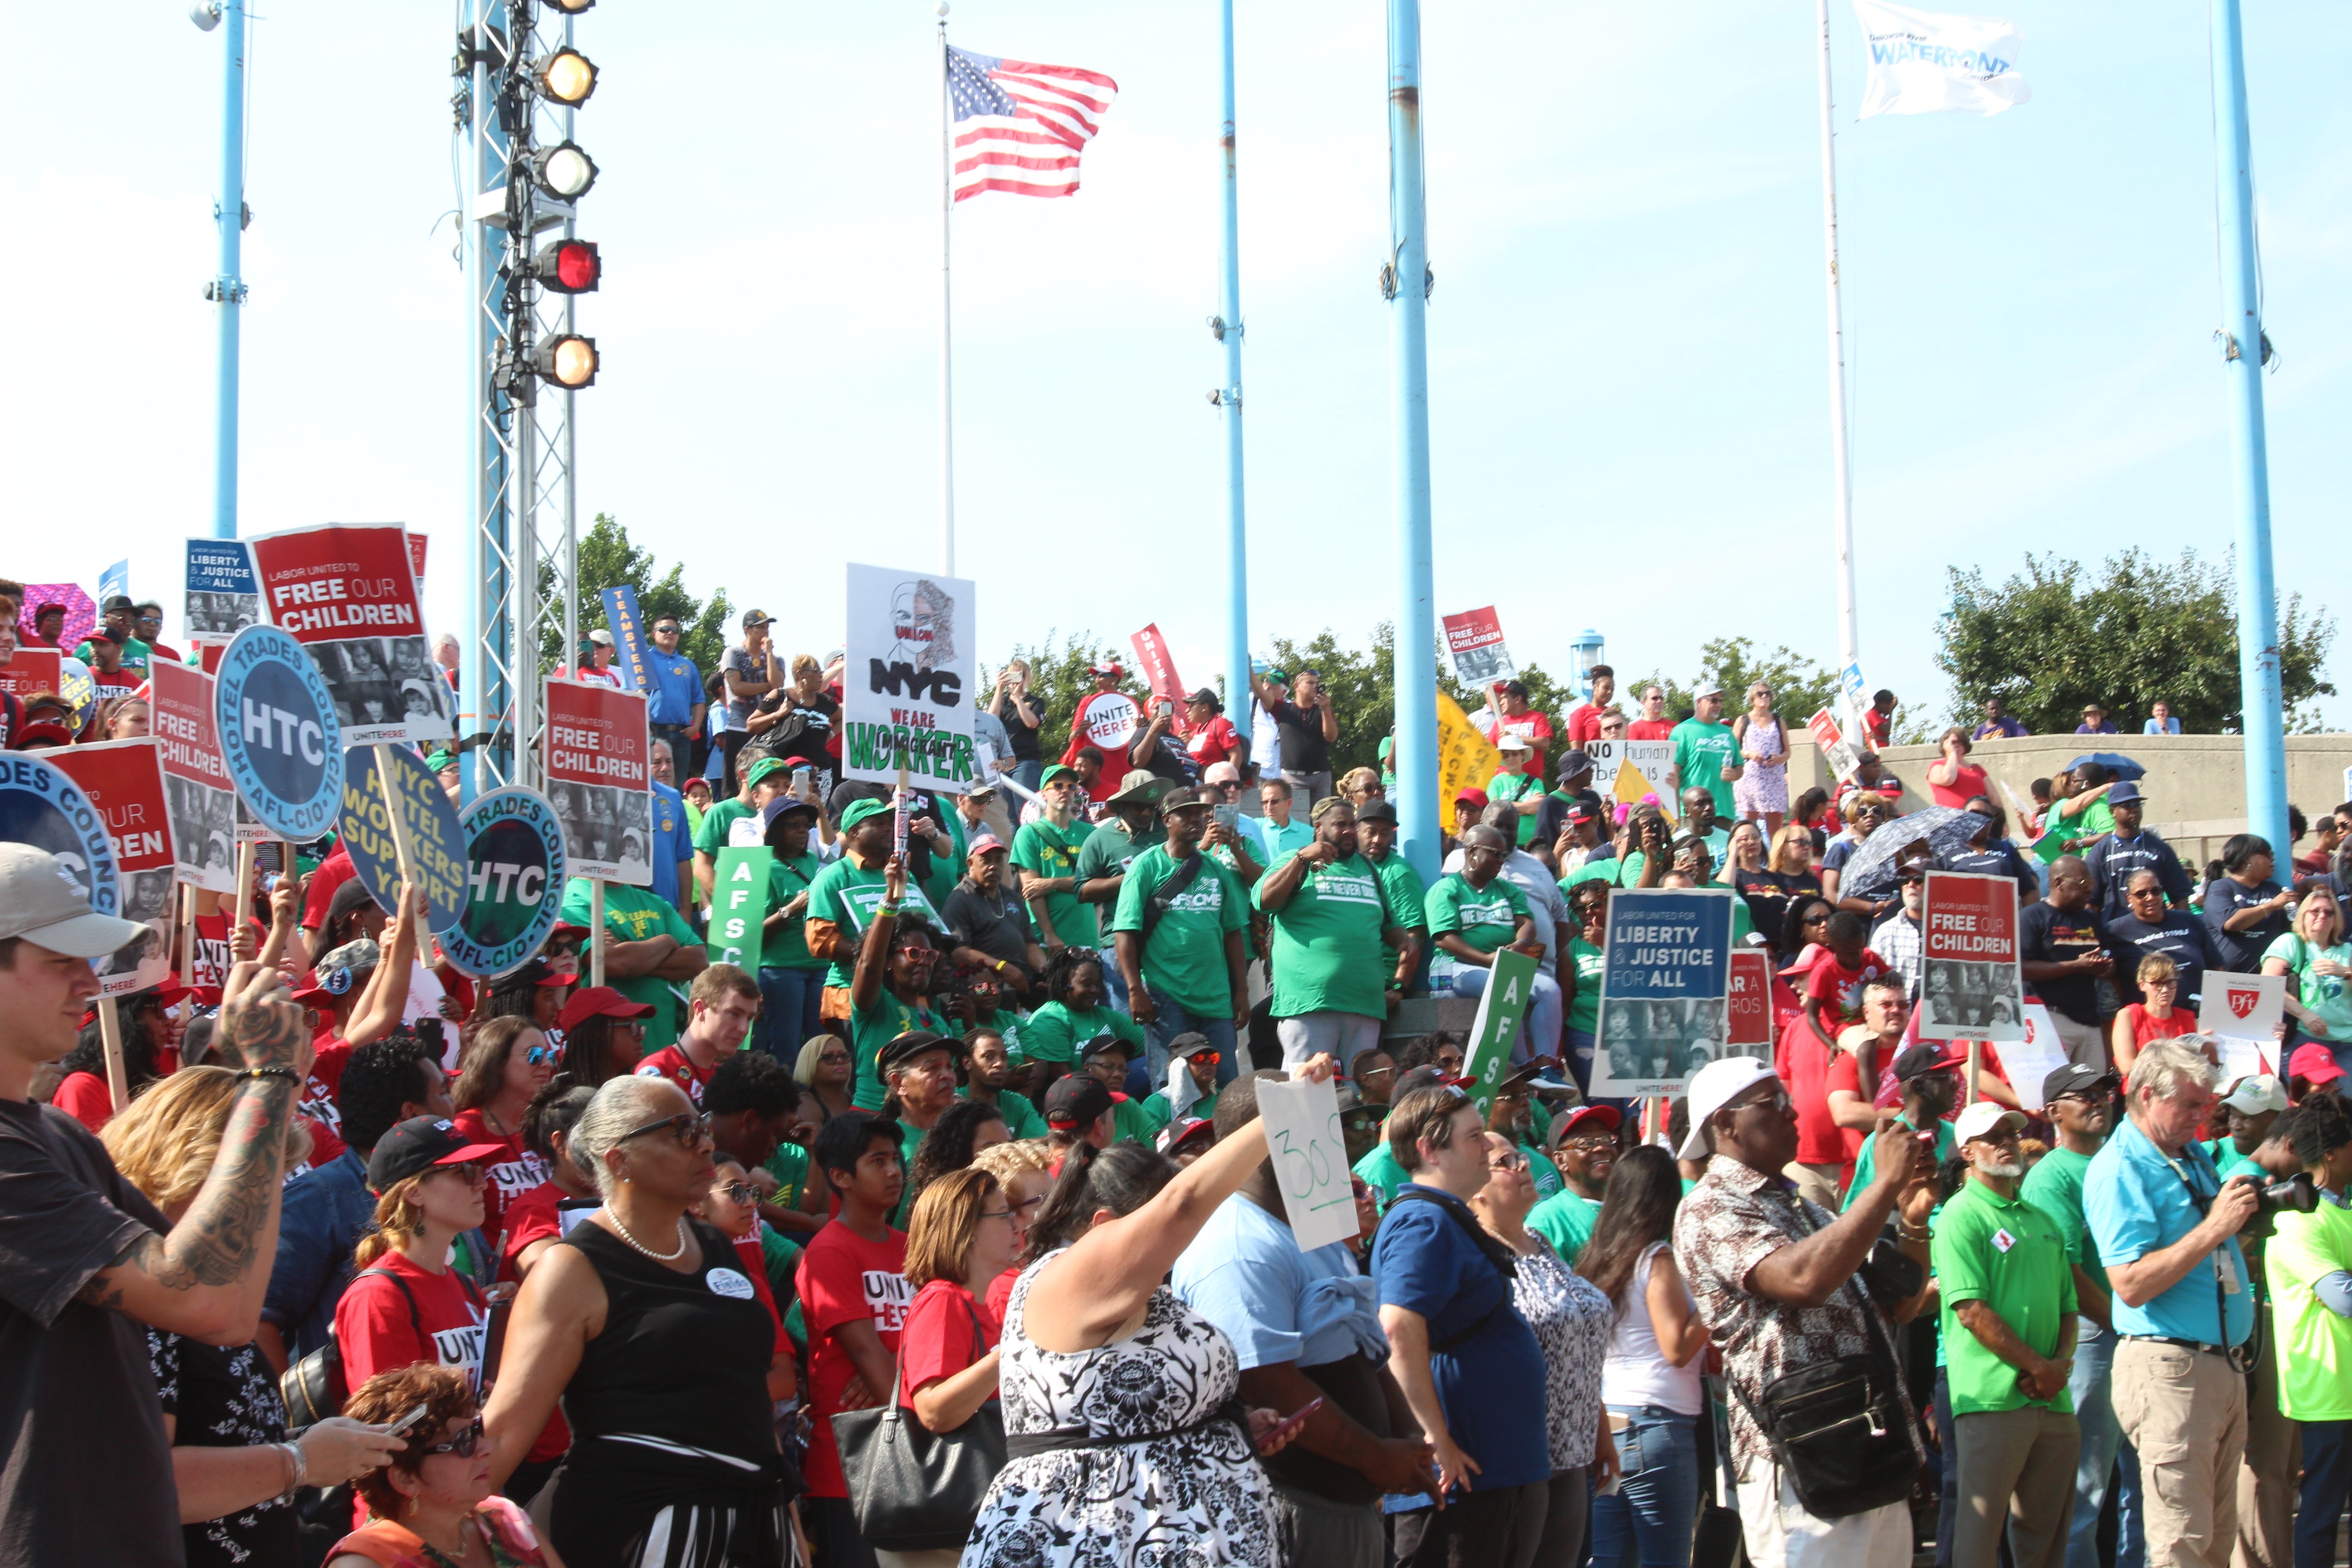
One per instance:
(1311,1161)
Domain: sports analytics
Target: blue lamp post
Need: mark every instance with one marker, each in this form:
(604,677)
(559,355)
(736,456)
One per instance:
(226,291)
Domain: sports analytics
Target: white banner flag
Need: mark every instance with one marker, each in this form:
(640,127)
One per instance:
(1922,62)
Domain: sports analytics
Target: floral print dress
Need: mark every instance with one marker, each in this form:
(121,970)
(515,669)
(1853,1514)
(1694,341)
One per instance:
(1194,1500)
(1572,1320)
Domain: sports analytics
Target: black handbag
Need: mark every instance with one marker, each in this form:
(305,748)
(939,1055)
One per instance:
(914,1489)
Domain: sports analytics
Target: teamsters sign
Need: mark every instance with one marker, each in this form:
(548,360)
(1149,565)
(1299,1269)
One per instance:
(907,686)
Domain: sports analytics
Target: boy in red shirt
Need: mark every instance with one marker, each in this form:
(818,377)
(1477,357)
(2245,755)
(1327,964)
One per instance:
(1834,989)
(854,1298)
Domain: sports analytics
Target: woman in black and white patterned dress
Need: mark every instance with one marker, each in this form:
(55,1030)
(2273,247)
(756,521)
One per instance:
(1127,1446)
(1572,1320)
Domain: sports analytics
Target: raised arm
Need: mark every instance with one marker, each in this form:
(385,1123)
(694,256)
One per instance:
(1806,1273)
(873,952)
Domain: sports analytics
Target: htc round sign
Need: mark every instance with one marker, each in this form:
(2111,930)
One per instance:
(516,872)
(279,733)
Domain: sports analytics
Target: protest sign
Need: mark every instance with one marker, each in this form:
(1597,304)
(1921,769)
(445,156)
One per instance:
(2244,1059)
(1663,989)
(1747,1010)
(1839,756)
(1465,759)
(1311,1161)
(196,792)
(32,669)
(515,871)
(907,683)
(1159,666)
(347,594)
(1473,643)
(599,782)
(632,654)
(124,780)
(1626,770)
(436,846)
(40,806)
(739,906)
(416,547)
(1971,988)
(279,733)
(114,583)
(1502,1010)
(1110,721)
(2027,1062)
(2246,1007)
(224,595)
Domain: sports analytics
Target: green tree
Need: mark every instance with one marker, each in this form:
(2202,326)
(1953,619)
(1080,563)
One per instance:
(2056,636)
(1800,687)
(1058,680)
(607,560)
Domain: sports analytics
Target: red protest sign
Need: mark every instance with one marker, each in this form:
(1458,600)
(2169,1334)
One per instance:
(347,594)
(196,792)
(33,669)
(1971,986)
(124,780)
(1159,666)
(598,780)
(1747,1010)
(1840,756)
(416,543)
(1473,641)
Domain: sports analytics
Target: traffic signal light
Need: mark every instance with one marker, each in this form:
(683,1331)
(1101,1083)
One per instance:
(568,267)
(566,360)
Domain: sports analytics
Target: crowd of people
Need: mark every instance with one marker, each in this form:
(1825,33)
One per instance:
(945,1227)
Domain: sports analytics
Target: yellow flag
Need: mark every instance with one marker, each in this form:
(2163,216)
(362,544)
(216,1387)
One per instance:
(1464,758)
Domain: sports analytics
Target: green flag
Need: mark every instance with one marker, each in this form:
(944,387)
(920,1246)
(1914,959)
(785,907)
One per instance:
(1510,986)
(739,906)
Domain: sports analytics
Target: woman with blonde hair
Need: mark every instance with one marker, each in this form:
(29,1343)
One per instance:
(2160,1018)
(236,1473)
(1024,1169)
(505,1067)
(825,1069)
(1761,792)
(433,1506)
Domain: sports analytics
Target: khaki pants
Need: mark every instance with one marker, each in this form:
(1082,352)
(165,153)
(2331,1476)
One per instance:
(2086,1046)
(2266,1484)
(2185,1413)
(1816,1184)
(2016,1468)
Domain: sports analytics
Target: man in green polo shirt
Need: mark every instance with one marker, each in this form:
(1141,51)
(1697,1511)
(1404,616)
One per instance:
(2007,1305)
(649,949)
(1407,895)
(1178,927)
(1331,926)
(1132,827)
(1707,754)
(2310,1263)
(715,833)
(1045,853)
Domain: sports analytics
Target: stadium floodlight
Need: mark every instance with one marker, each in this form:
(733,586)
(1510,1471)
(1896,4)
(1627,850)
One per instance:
(570,8)
(566,77)
(563,171)
(567,361)
(568,267)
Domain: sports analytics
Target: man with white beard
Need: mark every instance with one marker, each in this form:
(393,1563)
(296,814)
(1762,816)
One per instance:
(2008,1307)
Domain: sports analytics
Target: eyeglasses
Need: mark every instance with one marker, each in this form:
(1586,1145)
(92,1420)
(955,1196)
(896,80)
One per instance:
(1024,1206)
(465,1444)
(687,1127)
(2169,982)
(1590,1141)
(1511,1162)
(996,1213)
(537,1055)
(1778,1100)
(920,954)
(738,1192)
(659,630)
(1815,920)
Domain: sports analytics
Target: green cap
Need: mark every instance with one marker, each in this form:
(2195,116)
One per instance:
(762,768)
(438,759)
(1057,771)
(859,810)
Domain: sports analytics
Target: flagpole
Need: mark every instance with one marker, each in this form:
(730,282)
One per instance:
(1229,399)
(947,312)
(1415,658)
(1841,493)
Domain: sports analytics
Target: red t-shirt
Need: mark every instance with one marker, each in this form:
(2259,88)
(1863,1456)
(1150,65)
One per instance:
(1803,1058)
(531,1217)
(1214,742)
(1838,988)
(209,964)
(939,1335)
(519,1172)
(675,1065)
(325,1148)
(1584,725)
(1531,724)
(1877,728)
(85,1097)
(844,1279)
(319,894)
(376,1332)
(753,1259)
(1967,783)
(1000,1295)
(326,1080)
(1845,1073)
(1649,729)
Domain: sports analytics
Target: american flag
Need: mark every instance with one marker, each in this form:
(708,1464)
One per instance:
(1020,127)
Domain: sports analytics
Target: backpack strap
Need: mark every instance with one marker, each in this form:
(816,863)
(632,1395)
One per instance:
(416,1319)
(1164,897)
(1495,1251)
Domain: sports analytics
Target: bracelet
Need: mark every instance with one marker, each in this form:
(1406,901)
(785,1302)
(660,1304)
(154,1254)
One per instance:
(288,1074)
(890,908)
(298,1465)
(1903,1228)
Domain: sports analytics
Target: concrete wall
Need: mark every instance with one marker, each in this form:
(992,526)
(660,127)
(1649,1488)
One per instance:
(2196,784)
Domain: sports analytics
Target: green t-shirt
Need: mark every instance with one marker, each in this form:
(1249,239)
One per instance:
(847,894)
(1107,850)
(2070,818)
(873,1027)
(1486,917)
(1020,1117)
(1608,870)
(1407,898)
(1140,1120)
(1054,1033)
(2008,1254)
(136,655)
(1381,1173)
(910,1138)
(1584,1007)
(2054,1186)
(790,1165)
(1519,789)
(786,945)
(1565,1221)
(781,1256)
(2325,996)
(1702,751)
(2313,1345)
(1543,1173)
(1007,1023)
(1186,955)
(1202,1109)
(1043,849)
(638,914)
(1326,941)
(1865,1164)
(710,834)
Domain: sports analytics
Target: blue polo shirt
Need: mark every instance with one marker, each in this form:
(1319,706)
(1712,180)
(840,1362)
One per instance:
(672,841)
(1245,1274)
(2135,1200)
(677,688)
(1492,1385)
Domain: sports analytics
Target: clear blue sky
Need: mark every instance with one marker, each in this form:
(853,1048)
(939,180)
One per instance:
(1627,370)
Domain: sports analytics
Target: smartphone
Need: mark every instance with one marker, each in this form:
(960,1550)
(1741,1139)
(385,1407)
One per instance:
(405,1422)
(1289,1425)
(1229,816)
(801,780)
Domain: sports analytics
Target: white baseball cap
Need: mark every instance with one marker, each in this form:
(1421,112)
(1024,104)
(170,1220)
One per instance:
(41,901)
(1981,1118)
(2255,1093)
(1711,1088)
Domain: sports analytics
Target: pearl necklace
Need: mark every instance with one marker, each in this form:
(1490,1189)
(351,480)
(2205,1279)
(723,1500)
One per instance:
(672,1256)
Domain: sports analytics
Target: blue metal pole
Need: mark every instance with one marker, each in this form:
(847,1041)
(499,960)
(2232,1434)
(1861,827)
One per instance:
(1229,400)
(2241,335)
(227,290)
(1415,657)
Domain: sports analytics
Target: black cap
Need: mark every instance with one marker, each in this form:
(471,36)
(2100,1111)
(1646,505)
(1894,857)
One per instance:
(414,1146)
(2073,1078)
(1919,1062)
(118,602)
(1076,1101)
(908,1045)
(1176,800)
(1102,1043)
(1376,811)
(1190,1044)
(1573,762)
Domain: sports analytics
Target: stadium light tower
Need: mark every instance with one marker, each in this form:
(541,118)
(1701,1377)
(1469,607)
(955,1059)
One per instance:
(520,81)
(226,290)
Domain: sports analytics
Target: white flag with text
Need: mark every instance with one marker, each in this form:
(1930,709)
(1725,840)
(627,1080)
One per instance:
(1922,62)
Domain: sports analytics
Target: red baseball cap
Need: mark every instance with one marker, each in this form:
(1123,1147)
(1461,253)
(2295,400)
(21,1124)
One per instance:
(2313,1063)
(1471,793)
(1606,1116)
(599,1002)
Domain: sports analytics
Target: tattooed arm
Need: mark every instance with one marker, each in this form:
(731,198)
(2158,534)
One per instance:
(206,1278)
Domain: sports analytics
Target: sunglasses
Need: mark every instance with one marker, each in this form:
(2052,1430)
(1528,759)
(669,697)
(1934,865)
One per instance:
(465,1444)
(540,1055)
(1212,1057)
(738,1192)
(660,630)
(920,954)
(687,1127)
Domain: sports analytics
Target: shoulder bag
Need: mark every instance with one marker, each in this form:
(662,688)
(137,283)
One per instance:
(914,1489)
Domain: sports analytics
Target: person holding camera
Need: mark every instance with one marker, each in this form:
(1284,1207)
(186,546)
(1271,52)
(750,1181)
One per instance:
(2166,1227)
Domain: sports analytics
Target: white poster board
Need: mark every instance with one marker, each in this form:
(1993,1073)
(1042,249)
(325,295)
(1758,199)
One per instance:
(2035,1058)
(908,677)
(2247,1006)
(1310,1160)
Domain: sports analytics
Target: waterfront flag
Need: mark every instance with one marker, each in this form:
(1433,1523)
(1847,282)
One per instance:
(1020,126)
(1922,62)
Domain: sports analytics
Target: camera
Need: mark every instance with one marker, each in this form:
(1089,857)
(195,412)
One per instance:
(2297,1192)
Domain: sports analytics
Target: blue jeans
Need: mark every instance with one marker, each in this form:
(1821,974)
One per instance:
(2326,1489)
(2092,1386)
(1174,1020)
(1649,1519)
(1025,774)
(1114,983)
(788,1011)
(1545,1010)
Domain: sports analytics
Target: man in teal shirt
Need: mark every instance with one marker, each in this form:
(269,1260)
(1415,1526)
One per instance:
(2006,1304)
(1706,753)
(1585,1153)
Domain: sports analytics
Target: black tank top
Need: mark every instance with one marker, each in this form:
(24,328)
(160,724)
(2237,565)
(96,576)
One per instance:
(683,1358)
